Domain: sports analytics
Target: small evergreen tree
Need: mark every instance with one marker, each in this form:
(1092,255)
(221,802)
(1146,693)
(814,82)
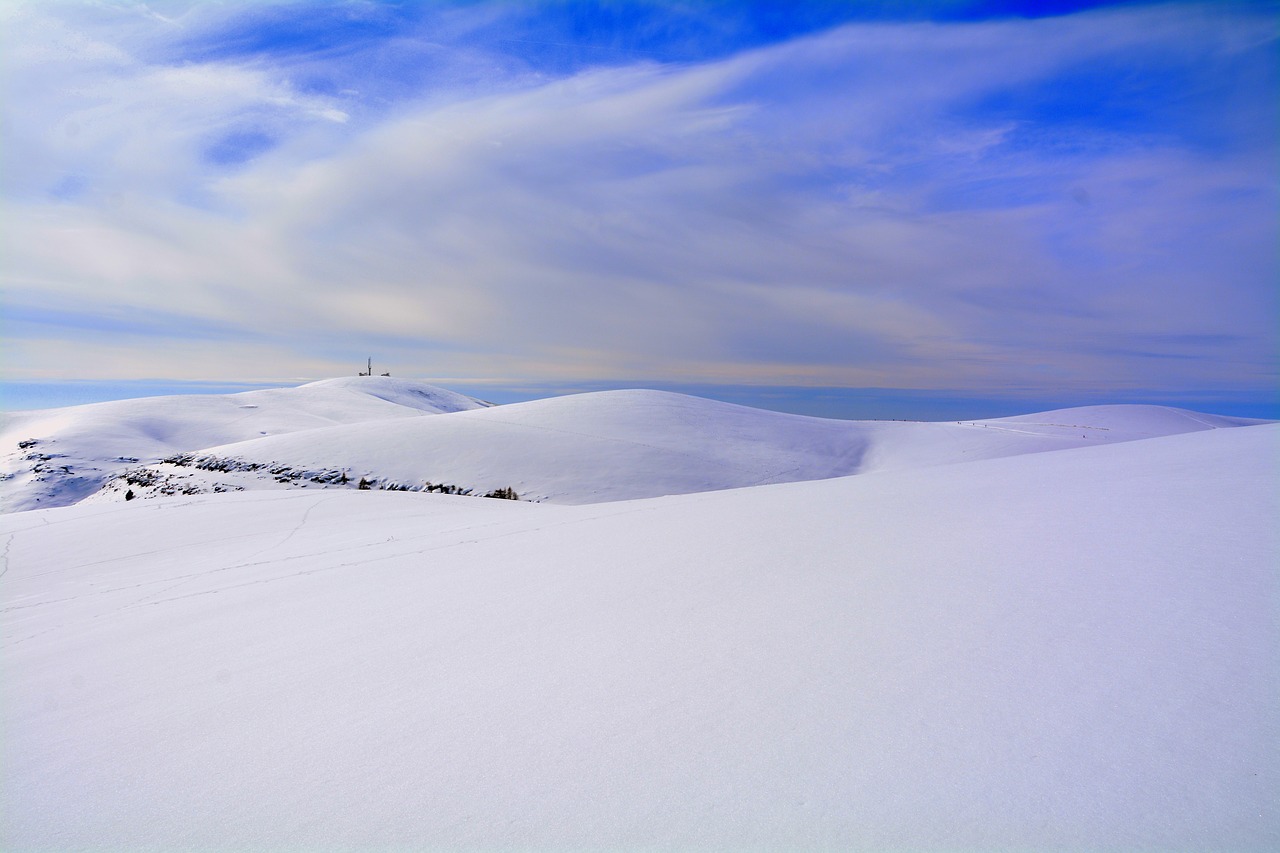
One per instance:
(506,493)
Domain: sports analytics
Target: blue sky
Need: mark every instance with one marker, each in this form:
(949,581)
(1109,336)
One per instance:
(1011,204)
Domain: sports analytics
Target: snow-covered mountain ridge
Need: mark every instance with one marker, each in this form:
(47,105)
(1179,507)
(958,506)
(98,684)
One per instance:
(367,432)
(622,445)
(55,457)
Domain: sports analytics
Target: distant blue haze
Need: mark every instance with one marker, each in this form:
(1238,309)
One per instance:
(840,403)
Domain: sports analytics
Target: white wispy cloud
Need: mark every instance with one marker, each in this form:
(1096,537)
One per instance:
(903,205)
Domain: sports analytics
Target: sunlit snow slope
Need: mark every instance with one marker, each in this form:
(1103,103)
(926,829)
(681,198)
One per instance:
(1050,651)
(618,445)
(55,457)
(584,448)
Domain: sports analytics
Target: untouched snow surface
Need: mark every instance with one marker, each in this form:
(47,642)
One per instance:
(1049,651)
(55,457)
(621,445)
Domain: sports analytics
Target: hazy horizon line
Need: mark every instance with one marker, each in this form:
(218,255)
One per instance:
(845,403)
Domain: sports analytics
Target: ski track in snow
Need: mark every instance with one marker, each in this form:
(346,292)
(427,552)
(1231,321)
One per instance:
(302,522)
(4,556)
(965,703)
(405,548)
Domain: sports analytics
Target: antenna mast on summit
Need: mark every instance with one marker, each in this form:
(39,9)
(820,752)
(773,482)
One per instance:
(368,371)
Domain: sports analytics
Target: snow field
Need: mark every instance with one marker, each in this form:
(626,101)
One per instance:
(1047,651)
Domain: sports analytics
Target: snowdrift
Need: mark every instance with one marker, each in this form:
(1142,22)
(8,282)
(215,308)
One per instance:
(1045,651)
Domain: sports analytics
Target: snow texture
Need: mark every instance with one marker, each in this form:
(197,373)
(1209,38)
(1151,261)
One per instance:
(56,457)
(622,445)
(1072,650)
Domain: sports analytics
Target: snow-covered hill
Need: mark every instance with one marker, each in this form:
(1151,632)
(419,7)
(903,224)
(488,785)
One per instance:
(585,448)
(55,457)
(1048,651)
(620,445)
